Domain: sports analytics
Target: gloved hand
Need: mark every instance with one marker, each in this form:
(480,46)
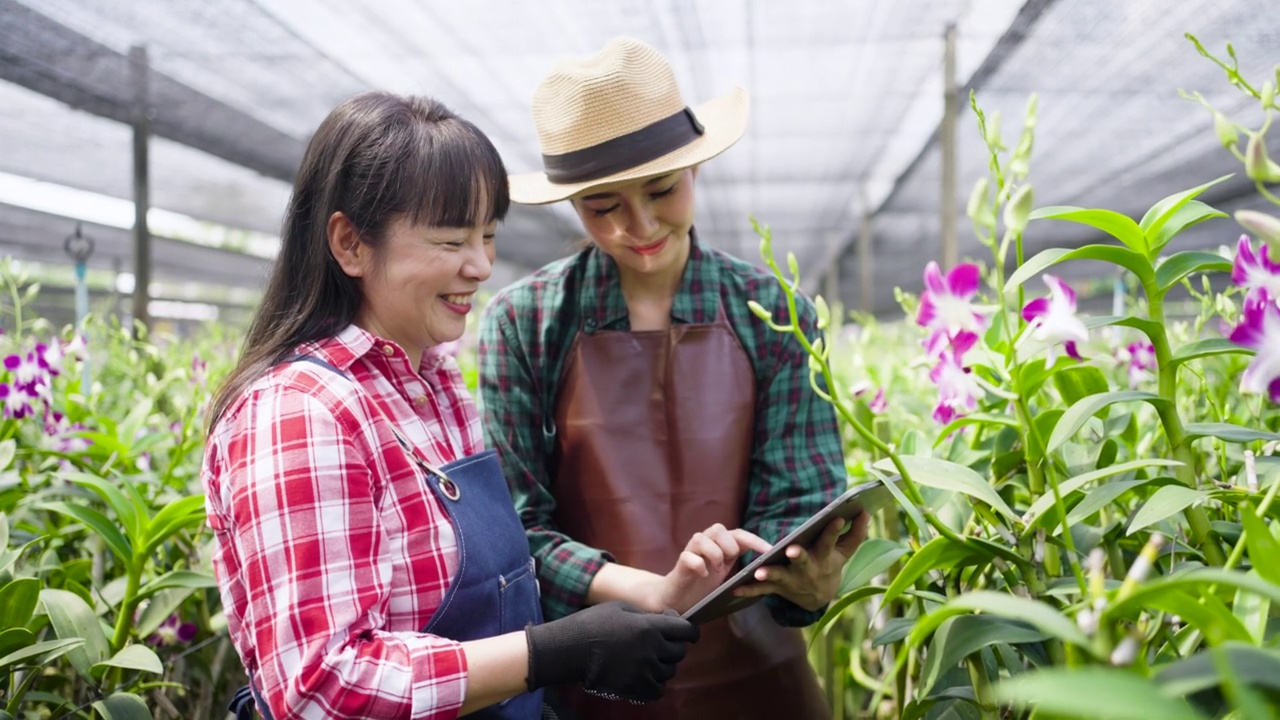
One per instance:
(613,649)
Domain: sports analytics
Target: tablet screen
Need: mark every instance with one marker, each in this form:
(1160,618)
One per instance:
(868,497)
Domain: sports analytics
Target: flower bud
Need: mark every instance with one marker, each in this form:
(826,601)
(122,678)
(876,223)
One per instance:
(993,129)
(1087,619)
(1268,93)
(1126,652)
(793,266)
(1257,165)
(1261,225)
(1227,134)
(759,311)
(1250,471)
(824,312)
(979,209)
(1018,210)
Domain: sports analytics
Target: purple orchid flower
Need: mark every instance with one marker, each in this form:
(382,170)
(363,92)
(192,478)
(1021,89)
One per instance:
(172,632)
(16,403)
(1255,272)
(1259,329)
(1053,319)
(958,392)
(947,311)
(876,404)
(1141,360)
(50,357)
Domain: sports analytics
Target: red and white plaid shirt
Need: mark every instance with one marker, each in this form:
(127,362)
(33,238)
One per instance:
(330,550)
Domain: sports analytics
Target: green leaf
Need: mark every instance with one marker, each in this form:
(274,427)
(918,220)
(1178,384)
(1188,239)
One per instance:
(1205,348)
(18,600)
(873,556)
(1193,213)
(123,706)
(1066,487)
(1092,692)
(939,552)
(1037,614)
(1074,383)
(99,523)
(8,449)
(1264,549)
(1165,502)
(72,617)
(1228,432)
(45,651)
(15,638)
(841,604)
(961,636)
(1253,612)
(1259,667)
(1147,327)
(188,579)
(1206,613)
(124,508)
(1193,582)
(133,657)
(159,608)
(174,517)
(1079,413)
(974,419)
(1097,499)
(1134,262)
(945,475)
(1179,265)
(1120,227)
(1168,211)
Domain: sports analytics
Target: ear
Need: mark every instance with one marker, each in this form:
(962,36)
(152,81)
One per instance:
(344,244)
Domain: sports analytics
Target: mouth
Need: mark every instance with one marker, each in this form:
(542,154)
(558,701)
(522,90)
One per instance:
(459,303)
(651,249)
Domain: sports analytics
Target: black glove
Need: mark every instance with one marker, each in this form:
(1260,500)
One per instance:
(614,649)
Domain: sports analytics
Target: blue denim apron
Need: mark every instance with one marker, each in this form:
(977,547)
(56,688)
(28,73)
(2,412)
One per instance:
(494,589)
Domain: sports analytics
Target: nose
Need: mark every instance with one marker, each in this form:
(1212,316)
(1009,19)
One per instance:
(641,224)
(479,263)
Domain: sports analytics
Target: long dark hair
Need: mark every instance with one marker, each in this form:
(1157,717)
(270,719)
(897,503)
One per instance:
(375,158)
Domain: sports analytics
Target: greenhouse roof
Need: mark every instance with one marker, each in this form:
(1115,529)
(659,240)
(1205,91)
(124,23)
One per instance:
(845,114)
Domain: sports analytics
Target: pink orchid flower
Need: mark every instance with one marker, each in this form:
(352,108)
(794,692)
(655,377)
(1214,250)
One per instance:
(946,309)
(1053,319)
(958,392)
(876,404)
(1255,272)
(1259,329)
(1141,361)
(15,402)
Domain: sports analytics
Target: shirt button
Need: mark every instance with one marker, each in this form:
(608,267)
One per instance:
(591,325)
(420,400)
(388,350)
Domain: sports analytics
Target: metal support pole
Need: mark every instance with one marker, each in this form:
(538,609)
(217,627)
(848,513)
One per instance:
(950,108)
(80,247)
(141,187)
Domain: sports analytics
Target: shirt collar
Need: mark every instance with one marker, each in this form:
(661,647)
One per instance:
(342,350)
(603,307)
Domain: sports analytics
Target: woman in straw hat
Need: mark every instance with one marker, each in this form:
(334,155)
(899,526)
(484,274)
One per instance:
(368,557)
(638,407)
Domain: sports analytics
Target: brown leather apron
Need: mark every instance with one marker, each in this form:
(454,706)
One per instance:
(654,438)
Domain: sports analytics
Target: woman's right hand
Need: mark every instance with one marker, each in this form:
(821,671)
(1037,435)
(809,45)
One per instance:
(708,559)
(614,649)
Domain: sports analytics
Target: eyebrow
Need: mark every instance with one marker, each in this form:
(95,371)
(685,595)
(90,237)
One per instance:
(605,195)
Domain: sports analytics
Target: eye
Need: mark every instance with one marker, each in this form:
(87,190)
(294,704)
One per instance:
(489,237)
(663,193)
(601,212)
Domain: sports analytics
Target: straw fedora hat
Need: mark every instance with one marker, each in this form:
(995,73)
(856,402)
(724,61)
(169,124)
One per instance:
(618,115)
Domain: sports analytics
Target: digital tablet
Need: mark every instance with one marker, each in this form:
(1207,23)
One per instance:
(867,498)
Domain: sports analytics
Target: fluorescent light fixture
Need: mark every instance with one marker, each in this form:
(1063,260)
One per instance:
(116,212)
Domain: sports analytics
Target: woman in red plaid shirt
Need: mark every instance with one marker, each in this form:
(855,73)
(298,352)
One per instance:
(368,556)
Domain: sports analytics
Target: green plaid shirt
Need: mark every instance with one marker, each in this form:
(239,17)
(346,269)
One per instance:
(797,466)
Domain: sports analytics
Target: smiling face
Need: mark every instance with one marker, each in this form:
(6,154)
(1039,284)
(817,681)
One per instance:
(642,224)
(417,287)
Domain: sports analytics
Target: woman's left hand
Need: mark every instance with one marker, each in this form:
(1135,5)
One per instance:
(813,577)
